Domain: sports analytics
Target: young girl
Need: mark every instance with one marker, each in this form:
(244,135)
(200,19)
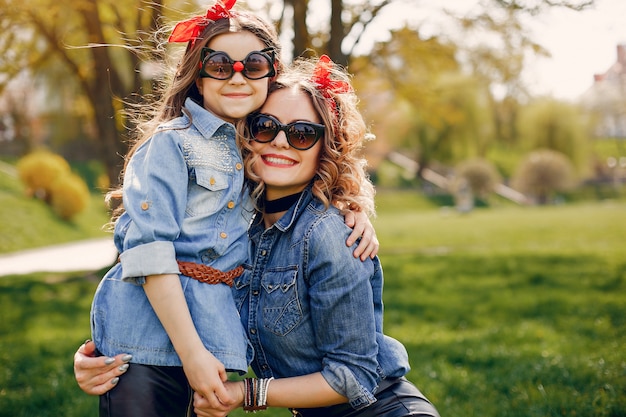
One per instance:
(182,233)
(313,313)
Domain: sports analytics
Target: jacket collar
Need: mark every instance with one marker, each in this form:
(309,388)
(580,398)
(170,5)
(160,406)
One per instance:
(206,122)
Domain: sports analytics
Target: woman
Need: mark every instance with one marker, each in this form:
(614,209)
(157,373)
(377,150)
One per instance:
(312,312)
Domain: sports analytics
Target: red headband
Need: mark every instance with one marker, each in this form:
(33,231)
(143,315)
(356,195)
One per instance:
(190,29)
(326,85)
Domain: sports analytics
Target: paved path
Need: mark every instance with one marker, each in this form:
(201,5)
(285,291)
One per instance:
(85,255)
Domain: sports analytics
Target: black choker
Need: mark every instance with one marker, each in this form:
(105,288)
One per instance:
(281,204)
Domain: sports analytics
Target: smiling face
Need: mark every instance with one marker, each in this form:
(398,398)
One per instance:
(238,96)
(283,169)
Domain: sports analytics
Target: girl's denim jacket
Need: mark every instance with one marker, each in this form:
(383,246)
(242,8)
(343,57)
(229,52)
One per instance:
(310,306)
(183,199)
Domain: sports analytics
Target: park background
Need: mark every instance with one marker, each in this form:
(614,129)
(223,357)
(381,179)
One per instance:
(500,210)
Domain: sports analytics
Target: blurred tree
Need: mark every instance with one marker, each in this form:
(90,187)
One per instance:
(349,20)
(543,173)
(498,61)
(480,175)
(65,43)
(556,125)
(422,101)
(430,108)
(37,35)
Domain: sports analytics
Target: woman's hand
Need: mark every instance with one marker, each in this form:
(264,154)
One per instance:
(98,375)
(361,228)
(202,407)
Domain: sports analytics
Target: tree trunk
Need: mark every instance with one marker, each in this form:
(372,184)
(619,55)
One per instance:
(300,31)
(337,34)
(102,89)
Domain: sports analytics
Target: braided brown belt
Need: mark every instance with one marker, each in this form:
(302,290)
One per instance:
(208,274)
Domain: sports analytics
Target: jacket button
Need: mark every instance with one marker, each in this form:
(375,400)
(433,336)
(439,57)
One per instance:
(231,204)
(145,206)
(223,235)
(238,166)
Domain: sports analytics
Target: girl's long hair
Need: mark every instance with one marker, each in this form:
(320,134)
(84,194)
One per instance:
(179,82)
(341,178)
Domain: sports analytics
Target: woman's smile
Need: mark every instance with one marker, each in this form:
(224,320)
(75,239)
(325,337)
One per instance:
(278,161)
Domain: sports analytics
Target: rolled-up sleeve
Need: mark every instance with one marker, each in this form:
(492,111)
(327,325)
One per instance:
(343,313)
(155,195)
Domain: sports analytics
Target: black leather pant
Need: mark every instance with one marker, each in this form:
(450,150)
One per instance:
(399,399)
(149,391)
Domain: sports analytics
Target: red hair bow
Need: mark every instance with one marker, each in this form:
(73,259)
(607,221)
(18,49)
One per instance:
(190,29)
(321,77)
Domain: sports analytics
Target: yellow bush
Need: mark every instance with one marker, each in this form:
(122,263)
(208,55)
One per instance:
(39,170)
(70,196)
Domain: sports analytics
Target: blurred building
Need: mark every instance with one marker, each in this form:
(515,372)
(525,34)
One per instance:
(607,98)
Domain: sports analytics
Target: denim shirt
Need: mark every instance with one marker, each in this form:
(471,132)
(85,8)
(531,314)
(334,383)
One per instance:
(183,199)
(310,306)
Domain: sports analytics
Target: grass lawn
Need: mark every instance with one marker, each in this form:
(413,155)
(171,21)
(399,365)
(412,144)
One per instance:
(507,311)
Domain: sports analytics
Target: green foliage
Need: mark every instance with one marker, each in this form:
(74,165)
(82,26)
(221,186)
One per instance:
(70,196)
(544,173)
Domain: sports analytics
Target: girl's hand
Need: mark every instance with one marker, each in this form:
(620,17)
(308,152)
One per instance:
(207,375)
(361,228)
(203,409)
(97,375)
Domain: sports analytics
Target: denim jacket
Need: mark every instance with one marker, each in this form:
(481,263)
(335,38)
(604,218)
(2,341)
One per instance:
(310,306)
(183,199)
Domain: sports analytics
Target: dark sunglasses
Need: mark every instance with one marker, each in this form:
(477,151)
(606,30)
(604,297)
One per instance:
(300,135)
(218,65)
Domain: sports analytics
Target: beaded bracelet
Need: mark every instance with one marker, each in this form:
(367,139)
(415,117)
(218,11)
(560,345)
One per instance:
(255,394)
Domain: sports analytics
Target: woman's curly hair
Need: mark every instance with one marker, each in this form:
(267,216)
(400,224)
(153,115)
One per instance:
(341,178)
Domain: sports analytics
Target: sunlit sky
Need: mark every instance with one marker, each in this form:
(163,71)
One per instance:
(581,43)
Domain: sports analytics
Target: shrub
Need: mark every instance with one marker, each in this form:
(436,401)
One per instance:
(39,170)
(47,176)
(70,196)
(481,176)
(544,173)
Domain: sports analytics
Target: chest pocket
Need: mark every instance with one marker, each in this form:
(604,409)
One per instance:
(217,182)
(281,306)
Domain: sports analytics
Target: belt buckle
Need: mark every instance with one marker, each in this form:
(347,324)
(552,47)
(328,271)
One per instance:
(296,413)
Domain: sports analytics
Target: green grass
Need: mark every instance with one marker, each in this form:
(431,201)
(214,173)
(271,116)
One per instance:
(43,318)
(509,311)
